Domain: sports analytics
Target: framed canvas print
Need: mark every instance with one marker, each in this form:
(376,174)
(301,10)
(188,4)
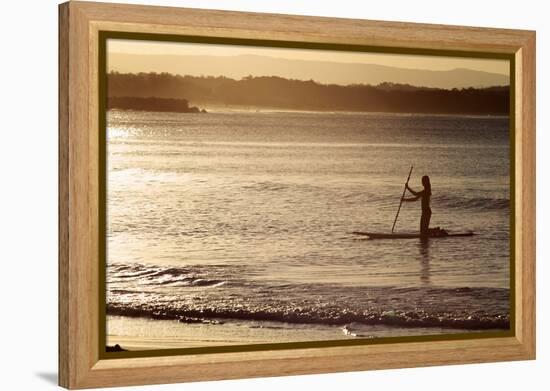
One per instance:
(248,195)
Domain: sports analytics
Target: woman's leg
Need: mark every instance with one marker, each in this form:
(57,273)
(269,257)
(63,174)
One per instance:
(422,225)
(425,224)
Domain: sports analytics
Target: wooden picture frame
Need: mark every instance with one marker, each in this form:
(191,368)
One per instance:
(82,365)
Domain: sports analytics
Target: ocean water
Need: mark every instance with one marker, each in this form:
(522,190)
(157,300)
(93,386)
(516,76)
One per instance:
(247,217)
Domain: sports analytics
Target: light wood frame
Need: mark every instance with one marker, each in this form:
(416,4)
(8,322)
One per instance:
(80,363)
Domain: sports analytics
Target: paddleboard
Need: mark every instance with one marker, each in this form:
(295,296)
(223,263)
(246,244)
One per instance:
(380,235)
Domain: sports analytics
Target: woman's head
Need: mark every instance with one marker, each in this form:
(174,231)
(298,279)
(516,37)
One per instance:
(426,183)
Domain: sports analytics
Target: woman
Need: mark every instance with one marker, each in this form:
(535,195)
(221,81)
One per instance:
(426,211)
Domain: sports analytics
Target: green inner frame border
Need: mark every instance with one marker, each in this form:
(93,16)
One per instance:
(102,208)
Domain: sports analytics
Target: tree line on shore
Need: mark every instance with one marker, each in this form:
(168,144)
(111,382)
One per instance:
(172,105)
(277,92)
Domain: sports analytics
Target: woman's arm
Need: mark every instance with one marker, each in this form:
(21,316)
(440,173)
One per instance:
(412,199)
(415,193)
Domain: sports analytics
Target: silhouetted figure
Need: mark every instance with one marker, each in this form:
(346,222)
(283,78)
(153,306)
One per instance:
(426,211)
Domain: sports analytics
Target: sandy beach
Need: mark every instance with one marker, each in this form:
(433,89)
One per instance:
(136,334)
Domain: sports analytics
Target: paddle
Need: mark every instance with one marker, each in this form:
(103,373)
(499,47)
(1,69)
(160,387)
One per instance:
(401,201)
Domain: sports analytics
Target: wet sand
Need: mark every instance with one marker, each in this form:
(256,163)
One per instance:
(148,334)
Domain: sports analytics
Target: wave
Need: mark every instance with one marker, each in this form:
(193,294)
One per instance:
(438,201)
(268,186)
(477,203)
(384,200)
(148,275)
(331,318)
(207,293)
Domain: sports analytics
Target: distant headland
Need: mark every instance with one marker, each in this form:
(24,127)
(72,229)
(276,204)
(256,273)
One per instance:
(152,104)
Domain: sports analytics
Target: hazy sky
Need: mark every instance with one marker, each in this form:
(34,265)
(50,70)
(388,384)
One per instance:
(223,54)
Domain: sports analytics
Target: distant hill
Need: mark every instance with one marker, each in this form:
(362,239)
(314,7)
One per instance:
(237,67)
(276,92)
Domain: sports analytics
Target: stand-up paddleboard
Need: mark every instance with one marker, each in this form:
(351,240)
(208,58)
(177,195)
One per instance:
(433,233)
(379,235)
